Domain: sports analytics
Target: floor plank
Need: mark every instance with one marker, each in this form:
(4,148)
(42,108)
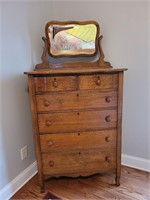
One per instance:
(135,185)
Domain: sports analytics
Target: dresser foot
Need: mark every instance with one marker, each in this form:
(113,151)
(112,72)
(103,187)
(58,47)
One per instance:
(42,189)
(117,180)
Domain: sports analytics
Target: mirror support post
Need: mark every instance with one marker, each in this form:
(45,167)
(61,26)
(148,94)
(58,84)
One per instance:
(43,57)
(102,63)
(45,63)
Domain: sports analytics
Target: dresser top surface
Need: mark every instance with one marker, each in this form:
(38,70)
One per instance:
(58,71)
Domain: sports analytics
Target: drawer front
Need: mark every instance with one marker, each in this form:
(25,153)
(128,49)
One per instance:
(76,100)
(78,141)
(77,121)
(52,84)
(102,81)
(78,162)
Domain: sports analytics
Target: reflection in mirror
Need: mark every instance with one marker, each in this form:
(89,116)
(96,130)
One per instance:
(72,39)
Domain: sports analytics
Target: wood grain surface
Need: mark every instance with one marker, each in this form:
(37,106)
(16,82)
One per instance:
(79,141)
(76,100)
(78,162)
(77,121)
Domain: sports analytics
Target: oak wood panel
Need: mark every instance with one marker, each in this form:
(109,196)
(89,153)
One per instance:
(77,121)
(76,100)
(76,162)
(36,130)
(99,81)
(78,141)
(119,125)
(59,83)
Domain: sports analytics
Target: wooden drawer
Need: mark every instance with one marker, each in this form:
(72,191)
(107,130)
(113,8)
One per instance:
(76,100)
(77,121)
(84,140)
(52,84)
(66,163)
(102,81)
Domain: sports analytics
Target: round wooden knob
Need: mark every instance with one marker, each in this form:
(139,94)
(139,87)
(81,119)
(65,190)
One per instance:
(98,81)
(108,99)
(108,159)
(48,123)
(51,163)
(55,84)
(108,118)
(50,143)
(46,103)
(107,139)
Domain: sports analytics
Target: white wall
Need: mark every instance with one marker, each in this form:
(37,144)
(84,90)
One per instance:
(124,25)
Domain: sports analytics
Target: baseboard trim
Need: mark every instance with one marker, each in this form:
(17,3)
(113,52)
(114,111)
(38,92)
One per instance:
(10,189)
(136,162)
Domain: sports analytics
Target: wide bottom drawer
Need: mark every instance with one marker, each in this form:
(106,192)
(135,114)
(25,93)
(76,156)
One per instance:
(78,162)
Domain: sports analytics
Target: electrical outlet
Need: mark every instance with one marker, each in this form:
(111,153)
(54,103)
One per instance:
(24,152)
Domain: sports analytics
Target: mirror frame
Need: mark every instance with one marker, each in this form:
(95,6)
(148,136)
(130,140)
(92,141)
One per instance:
(67,23)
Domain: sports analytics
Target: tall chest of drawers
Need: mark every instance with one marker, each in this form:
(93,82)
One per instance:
(77,116)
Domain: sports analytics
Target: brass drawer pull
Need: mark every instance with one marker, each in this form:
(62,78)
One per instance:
(108,118)
(46,103)
(50,143)
(48,123)
(55,84)
(108,99)
(51,163)
(107,139)
(98,81)
(108,159)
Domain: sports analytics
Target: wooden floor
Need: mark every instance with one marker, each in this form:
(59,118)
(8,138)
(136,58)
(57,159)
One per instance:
(135,184)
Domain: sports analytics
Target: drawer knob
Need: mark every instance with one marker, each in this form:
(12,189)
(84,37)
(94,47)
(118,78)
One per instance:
(108,99)
(46,103)
(50,143)
(108,118)
(48,123)
(107,139)
(108,159)
(55,84)
(98,81)
(51,163)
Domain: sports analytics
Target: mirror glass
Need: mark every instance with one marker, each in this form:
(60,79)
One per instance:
(72,39)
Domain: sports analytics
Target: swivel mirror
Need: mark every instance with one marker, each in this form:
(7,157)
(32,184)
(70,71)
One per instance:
(72,38)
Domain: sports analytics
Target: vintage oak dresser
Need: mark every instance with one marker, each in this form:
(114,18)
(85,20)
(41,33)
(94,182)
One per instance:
(76,109)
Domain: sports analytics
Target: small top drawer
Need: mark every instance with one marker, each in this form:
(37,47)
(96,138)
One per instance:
(100,81)
(58,83)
